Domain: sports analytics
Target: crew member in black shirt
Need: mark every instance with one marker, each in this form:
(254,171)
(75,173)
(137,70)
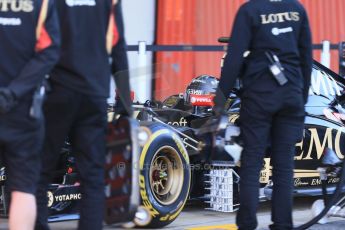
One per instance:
(272,111)
(76,106)
(29,48)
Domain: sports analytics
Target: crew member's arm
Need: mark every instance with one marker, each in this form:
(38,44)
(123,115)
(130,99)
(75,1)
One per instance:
(119,66)
(240,39)
(306,55)
(46,56)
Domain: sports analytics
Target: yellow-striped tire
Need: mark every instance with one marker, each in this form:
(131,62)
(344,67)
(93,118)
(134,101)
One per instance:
(164,176)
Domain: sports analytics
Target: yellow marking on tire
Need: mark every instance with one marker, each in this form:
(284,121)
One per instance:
(147,203)
(186,157)
(217,227)
(146,147)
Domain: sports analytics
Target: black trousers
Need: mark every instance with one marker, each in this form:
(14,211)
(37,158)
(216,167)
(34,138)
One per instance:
(82,118)
(272,116)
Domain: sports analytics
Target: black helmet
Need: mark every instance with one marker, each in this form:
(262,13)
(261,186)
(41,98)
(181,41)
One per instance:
(201,88)
(202,85)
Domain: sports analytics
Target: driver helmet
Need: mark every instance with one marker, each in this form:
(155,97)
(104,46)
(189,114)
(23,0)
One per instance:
(203,85)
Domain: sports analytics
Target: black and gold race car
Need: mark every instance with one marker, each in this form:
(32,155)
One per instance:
(171,173)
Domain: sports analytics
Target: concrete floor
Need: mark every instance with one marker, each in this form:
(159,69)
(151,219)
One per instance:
(194,217)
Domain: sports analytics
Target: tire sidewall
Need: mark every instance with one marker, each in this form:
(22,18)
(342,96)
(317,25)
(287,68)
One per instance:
(163,214)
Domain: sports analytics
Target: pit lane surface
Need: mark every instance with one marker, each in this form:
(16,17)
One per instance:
(194,217)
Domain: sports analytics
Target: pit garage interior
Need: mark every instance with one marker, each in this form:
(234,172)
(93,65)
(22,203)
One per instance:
(170,43)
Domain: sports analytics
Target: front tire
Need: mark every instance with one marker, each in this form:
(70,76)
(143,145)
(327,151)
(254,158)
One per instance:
(164,176)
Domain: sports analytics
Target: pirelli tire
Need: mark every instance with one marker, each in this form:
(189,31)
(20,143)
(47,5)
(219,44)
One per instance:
(165,176)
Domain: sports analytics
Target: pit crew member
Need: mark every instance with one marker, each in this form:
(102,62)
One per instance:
(29,48)
(275,32)
(91,31)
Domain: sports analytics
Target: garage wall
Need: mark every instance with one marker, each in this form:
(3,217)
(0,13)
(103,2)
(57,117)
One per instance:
(175,25)
(327,19)
(201,22)
(139,20)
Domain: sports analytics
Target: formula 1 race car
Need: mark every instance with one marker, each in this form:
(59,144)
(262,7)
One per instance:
(178,163)
(166,183)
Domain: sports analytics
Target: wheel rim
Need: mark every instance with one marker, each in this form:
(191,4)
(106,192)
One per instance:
(166,175)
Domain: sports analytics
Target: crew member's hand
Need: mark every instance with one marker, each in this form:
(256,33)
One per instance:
(220,118)
(7,100)
(214,124)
